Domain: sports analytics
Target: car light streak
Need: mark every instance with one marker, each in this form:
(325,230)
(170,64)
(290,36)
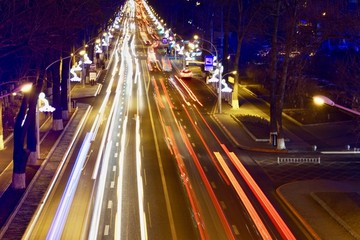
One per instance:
(166,94)
(103,157)
(140,91)
(94,226)
(196,127)
(207,185)
(100,114)
(55,178)
(264,201)
(188,90)
(171,80)
(207,125)
(157,93)
(167,140)
(140,191)
(119,191)
(120,179)
(188,187)
(279,223)
(137,72)
(62,211)
(249,207)
(162,174)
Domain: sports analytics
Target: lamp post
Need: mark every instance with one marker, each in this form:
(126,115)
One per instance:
(106,43)
(196,37)
(181,49)
(26,87)
(320,100)
(83,72)
(229,73)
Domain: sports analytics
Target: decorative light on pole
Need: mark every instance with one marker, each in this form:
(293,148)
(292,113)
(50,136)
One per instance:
(196,37)
(83,70)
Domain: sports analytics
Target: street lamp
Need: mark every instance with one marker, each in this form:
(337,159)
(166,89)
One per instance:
(320,100)
(24,88)
(41,106)
(196,37)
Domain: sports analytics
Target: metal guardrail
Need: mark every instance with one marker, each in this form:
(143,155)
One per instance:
(298,160)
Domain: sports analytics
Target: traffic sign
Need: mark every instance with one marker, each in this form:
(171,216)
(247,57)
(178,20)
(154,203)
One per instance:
(208,63)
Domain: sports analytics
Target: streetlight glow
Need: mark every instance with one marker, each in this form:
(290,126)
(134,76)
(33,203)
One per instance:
(318,100)
(321,100)
(26,87)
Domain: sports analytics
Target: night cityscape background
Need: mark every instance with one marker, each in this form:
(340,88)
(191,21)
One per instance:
(179,119)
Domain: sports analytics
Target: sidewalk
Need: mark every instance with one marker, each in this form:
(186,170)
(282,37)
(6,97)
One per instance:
(53,148)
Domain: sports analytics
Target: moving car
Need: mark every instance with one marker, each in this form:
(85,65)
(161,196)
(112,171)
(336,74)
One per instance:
(186,73)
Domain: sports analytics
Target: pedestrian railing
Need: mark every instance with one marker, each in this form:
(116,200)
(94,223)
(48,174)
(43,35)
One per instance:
(298,160)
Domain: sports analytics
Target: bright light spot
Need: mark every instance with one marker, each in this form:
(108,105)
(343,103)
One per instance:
(26,87)
(318,100)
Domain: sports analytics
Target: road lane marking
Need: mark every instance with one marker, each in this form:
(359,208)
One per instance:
(162,173)
(149,213)
(223,205)
(236,231)
(106,230)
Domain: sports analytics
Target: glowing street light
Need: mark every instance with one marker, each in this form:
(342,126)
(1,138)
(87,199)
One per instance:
(321,100)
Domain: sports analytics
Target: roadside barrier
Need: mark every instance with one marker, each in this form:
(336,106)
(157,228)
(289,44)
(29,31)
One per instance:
(298,160)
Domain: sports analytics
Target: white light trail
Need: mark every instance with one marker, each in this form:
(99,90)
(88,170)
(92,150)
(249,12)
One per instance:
(55,178)
(142,215)
(94,226)
(62,211)
(117,234)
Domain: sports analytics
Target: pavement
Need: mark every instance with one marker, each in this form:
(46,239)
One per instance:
(311,201)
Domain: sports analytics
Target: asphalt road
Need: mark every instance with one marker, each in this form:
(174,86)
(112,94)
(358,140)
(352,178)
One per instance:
(121,199)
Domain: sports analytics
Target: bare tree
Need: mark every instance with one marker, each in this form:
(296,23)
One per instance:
(247,14)
(39,32)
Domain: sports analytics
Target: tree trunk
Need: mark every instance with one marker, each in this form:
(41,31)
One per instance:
(64,89)
(283,79)
(240,37)
(226,36)
(280,101)
(235,94)
(57,115)
(20,155)
(273,77)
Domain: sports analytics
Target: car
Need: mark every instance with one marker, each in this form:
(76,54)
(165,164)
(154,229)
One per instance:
(186,73)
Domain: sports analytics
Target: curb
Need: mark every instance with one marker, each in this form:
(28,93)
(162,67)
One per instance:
(297,215)
(233,139)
